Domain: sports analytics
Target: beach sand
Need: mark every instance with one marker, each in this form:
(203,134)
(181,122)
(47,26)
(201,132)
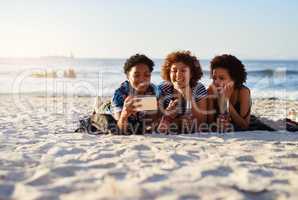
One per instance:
(42,158)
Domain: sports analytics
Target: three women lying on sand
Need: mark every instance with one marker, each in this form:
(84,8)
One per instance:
(183,104)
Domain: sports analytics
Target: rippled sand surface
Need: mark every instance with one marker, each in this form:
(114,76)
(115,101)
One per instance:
(42,158)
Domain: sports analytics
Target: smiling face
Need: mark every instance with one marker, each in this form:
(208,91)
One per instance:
(139,77)
(180,75)
(221,77)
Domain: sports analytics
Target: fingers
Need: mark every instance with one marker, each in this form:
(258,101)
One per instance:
(223,122)
(228,89)
(229,86)
(131,101)
(172,104)
(170,110)
(131,105)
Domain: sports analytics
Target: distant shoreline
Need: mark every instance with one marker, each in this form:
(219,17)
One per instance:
(124,58)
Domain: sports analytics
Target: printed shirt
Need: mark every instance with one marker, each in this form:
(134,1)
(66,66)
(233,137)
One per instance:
(124,91)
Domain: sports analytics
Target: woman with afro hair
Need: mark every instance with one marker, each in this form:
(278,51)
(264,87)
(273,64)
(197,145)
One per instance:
(182,97)
(228,98)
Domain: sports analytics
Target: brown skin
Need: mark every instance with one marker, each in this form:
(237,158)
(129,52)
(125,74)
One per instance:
(139,78)
(223,86)
(180,78)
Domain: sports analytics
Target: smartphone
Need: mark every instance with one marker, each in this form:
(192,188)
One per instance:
(146,103)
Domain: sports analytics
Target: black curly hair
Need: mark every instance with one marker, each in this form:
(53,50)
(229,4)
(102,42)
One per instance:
(234,67)
(137,59)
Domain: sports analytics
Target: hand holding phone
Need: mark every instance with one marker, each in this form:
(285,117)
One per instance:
(146,103)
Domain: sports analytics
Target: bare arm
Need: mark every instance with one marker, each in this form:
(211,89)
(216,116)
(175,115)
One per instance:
(121,120)
(242,119)
(210,105)
(128,109)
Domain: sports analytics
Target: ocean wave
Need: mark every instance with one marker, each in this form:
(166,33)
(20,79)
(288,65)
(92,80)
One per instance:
(272,72)
(97,74)
(253,73)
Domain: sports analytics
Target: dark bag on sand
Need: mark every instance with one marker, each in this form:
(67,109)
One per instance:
(98,124)
(105,123)
(256,124)
(291,125)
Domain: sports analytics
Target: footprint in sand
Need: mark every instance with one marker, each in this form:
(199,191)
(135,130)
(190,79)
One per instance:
(103,166)
(189,197)
(101,156)
(43,179)
(280,181)
(290,155)
(118,175)
(66,171)
(155,178)
(141,147)
(59,151)
(262,172)
(220,171)
(15,176)
(246,159)
(47,177)
(180,159)
(256,194)
(59,190)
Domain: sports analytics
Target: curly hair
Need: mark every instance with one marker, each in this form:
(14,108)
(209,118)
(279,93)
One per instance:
(234,67)
(188,59)
(137,59)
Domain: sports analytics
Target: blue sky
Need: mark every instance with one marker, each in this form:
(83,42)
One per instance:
(262,29)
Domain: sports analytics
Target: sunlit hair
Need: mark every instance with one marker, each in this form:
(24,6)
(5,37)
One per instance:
(186,58)
(234,67)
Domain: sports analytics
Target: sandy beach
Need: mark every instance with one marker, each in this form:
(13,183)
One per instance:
(42,158)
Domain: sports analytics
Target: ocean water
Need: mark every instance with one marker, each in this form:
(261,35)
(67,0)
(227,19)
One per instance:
(266,78)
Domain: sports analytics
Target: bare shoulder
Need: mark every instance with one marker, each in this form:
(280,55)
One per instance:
(244,92)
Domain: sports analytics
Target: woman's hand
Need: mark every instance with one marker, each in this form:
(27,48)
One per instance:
(223,123)
(168,117)
(224,90)
(228,89)
(129,107)
(171,109)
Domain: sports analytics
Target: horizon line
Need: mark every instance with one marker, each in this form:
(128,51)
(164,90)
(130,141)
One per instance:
(154,58)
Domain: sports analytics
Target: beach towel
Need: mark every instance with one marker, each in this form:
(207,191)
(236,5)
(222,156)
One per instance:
(270,125)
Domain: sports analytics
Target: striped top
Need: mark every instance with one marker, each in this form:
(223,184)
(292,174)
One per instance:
(166,94)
